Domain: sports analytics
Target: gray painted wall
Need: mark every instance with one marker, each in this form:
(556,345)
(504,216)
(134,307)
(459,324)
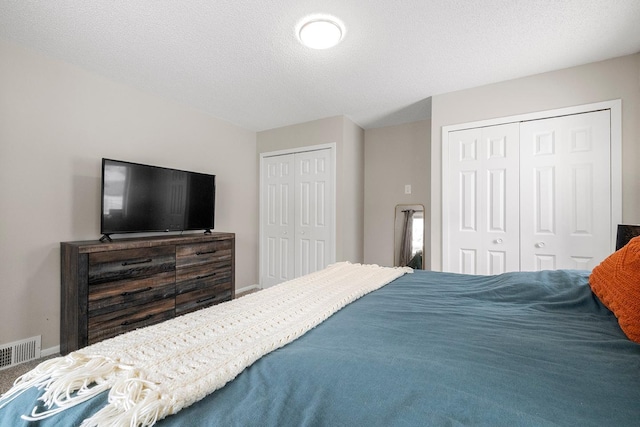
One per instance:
(57,121)
(394,157)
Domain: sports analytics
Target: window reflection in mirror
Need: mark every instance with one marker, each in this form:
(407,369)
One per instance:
(409,236)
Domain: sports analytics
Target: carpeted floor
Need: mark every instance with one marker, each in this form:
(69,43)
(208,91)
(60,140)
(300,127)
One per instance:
(9,375)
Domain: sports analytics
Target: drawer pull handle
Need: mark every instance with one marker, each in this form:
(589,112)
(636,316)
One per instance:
(205,252)
(127,322)
(142,261)
(205,299)
(205,276)
(137,291)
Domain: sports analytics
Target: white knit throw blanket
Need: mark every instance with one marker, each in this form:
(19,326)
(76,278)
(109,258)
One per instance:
(156,371)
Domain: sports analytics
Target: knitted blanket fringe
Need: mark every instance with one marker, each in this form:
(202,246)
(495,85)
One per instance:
(156,371)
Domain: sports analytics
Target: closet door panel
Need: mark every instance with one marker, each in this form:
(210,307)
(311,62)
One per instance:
(502,145)
(278,222)
(483,221)
(465,239)
(313,231)
(566,191)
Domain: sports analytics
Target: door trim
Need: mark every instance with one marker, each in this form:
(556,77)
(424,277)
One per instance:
(615,106)
(332,155)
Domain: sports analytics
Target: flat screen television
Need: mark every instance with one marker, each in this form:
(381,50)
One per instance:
(143,198)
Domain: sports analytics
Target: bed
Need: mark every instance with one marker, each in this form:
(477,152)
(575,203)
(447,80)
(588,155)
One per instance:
(431,348)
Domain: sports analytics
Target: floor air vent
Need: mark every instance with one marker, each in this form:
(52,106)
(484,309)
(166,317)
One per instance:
(17,352)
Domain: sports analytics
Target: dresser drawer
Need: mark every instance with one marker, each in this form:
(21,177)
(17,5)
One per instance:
(190,279)
(201,298)
(203,253)
(128,318)
(130,263)
(111,296)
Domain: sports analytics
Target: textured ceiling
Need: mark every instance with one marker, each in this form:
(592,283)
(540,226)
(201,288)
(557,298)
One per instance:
(240,60)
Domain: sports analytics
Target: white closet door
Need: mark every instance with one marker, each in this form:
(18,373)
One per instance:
(313,190)
(297,214)
(278,222)
(483,221)
(565,189)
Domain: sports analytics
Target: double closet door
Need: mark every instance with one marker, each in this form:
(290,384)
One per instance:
(528,196)
(297,214)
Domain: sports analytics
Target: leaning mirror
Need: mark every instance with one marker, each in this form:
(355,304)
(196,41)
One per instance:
(409,236)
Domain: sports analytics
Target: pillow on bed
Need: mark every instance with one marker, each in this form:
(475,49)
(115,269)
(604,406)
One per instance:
(616,281)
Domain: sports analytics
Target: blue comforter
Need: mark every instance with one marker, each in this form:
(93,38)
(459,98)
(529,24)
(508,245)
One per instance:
(435,349)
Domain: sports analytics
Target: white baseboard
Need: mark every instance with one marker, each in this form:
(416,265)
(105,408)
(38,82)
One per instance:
(50,351)
(247,289)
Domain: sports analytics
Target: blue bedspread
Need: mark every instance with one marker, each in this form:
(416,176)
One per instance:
(436,349)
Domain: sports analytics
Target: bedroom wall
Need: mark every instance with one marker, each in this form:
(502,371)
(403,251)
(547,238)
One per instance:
(349,140)
(351,203)
(617,78)
(394,156)
(56,123)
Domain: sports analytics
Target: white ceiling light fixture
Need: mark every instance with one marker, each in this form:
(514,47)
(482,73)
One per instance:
(320,32)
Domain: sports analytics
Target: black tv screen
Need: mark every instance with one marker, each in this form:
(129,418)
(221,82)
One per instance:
(144,198)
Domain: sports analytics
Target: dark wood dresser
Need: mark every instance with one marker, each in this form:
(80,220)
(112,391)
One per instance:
(115,287)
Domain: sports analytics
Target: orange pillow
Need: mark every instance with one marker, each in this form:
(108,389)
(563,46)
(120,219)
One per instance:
(616,281)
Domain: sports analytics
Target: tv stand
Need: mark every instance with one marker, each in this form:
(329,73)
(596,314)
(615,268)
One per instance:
(105,238)
(207,231)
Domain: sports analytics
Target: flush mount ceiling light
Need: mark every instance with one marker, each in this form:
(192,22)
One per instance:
(320,33)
